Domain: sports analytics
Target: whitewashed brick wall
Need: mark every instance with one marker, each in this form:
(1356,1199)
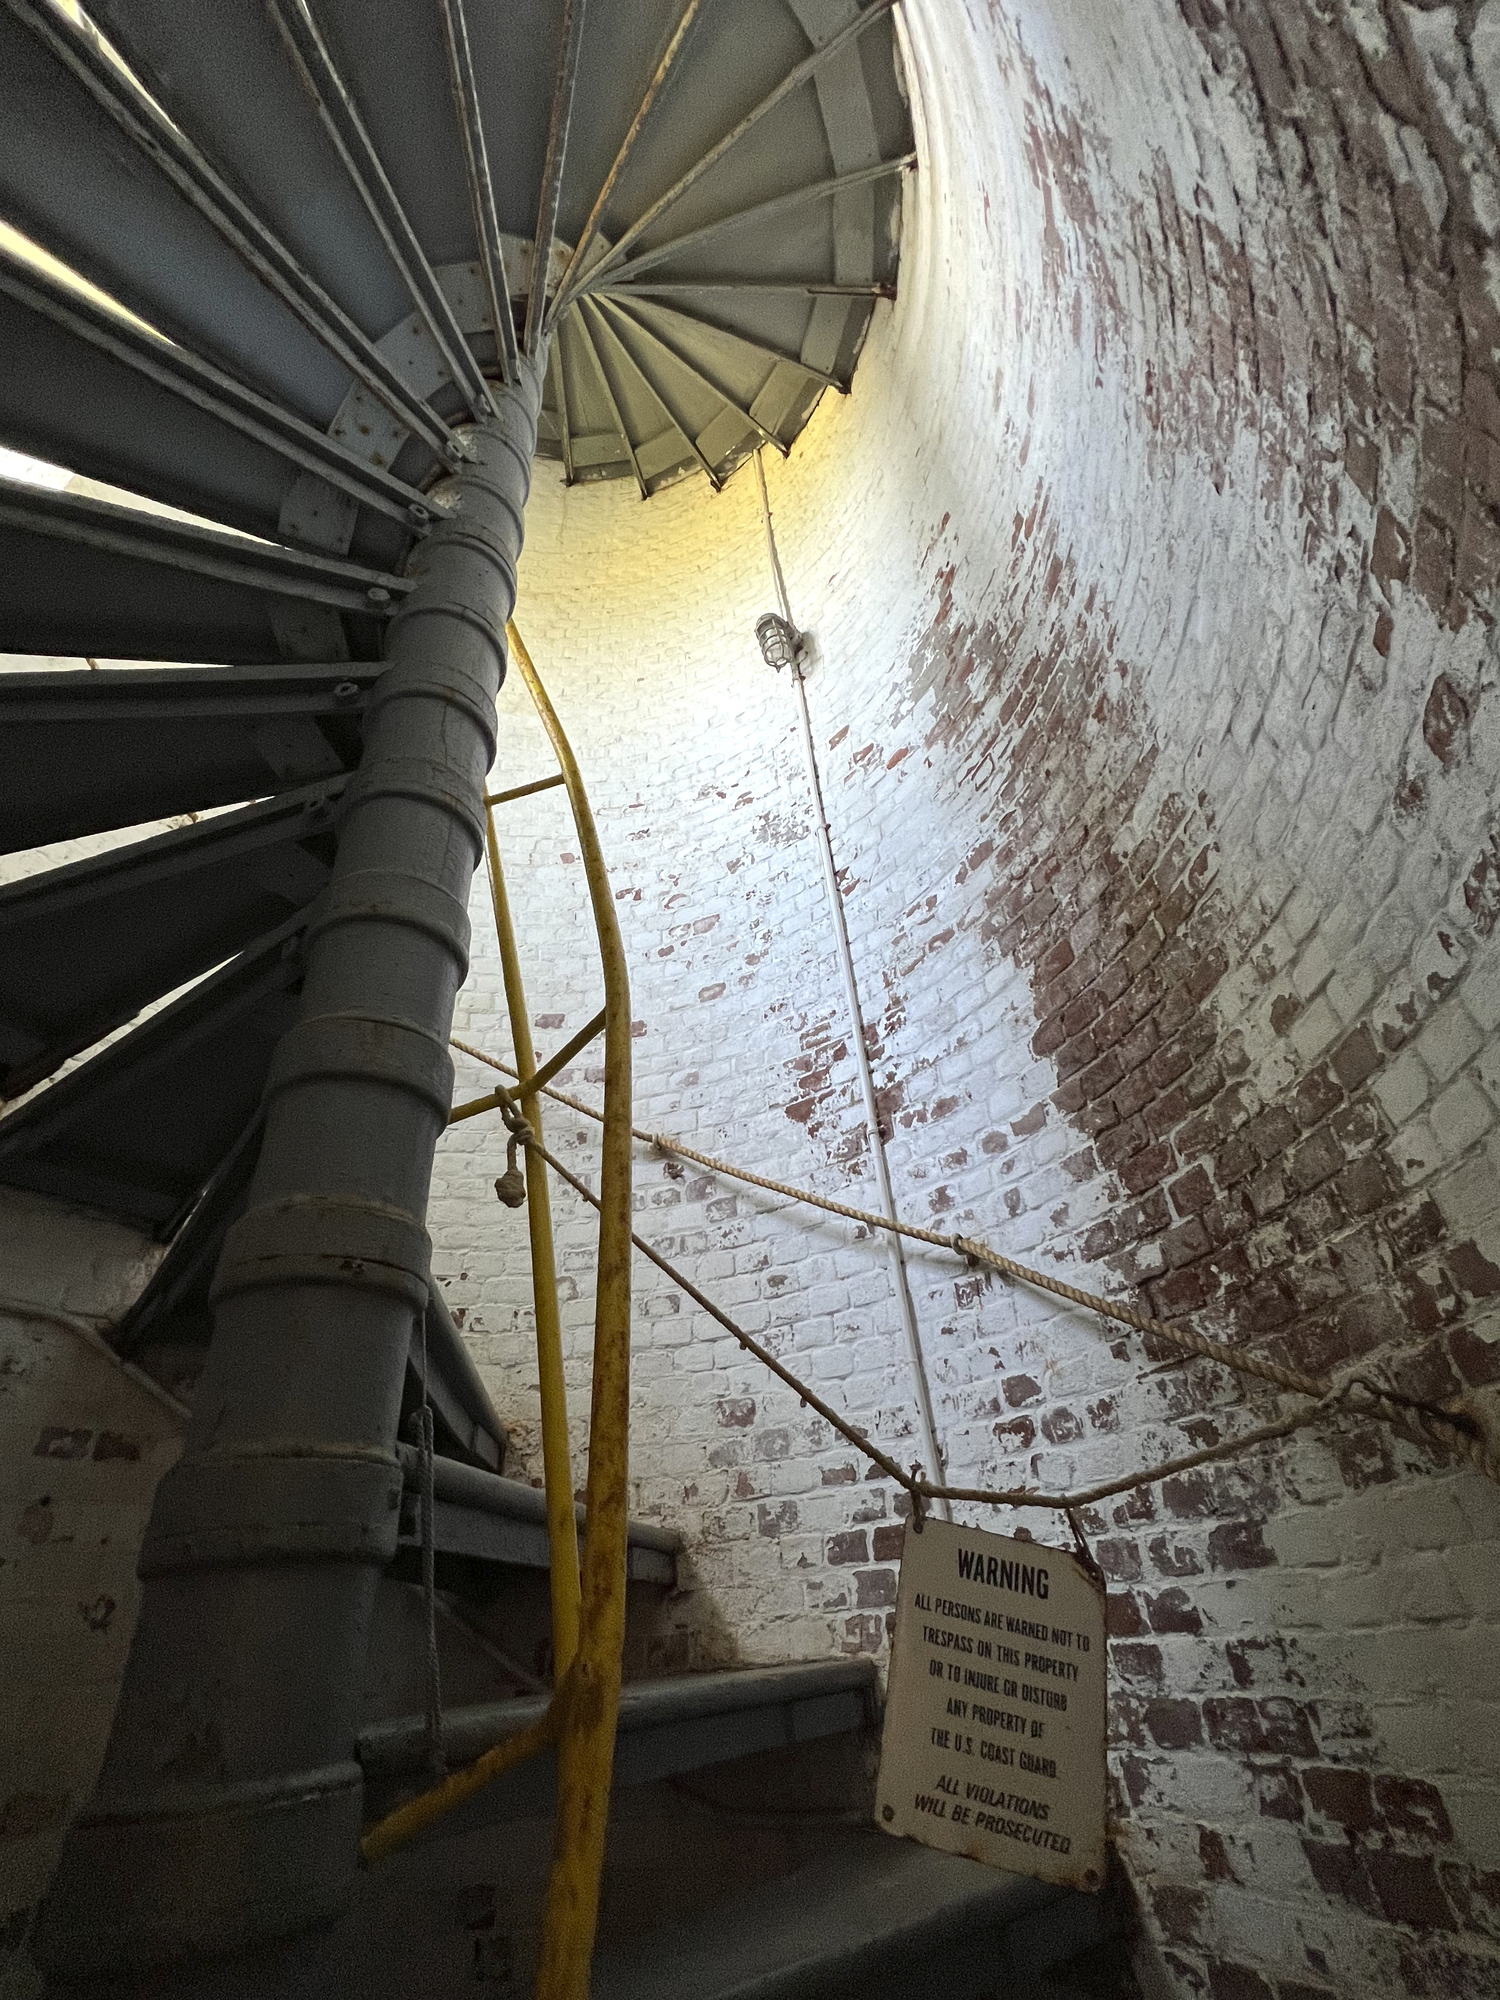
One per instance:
(1149,571)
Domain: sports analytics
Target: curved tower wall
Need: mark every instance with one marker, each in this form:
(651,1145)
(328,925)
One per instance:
(1149,575)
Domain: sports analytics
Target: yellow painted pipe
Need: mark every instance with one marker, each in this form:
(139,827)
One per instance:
(587,1744)
(557,1463)
(523,791)
(538,1080)
(407,1821)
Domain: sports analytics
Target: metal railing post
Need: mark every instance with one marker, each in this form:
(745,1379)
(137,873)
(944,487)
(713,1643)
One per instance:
(557,1462)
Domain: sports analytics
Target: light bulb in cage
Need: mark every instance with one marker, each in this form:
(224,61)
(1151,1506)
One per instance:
(780,642)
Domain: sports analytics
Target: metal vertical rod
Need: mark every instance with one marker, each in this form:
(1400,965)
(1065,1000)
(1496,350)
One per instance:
(481,187)
(340,115)
(677,423)
(659,341)
(229,1807)
(899,1276)
(564,420)
(552,171)
(585,335)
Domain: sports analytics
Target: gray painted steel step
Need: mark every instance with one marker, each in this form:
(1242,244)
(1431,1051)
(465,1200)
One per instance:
(173,1313)
(87,579)
(84,948)
(467,1428)
(72,181)
(84,752)
(140,1128)
(228,83)
(666,1727)
(88,389)
(874,1917)
(505,1521)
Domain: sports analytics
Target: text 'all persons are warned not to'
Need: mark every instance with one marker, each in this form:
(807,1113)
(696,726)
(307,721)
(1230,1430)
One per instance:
(993,1743)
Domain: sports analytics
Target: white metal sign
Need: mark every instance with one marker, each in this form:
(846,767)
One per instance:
(994,1724)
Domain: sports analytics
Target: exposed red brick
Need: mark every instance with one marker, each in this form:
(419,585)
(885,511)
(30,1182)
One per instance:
(1174,1724)
(852,1547)
(1148,1169)
(1274,1726)
(1345,1797)
(1413,1806)
(1122,1615)
(1239,1545)
(1178,1910)
(1278,1794)
(874,1587)
(1173,1611)
(1408,1889)
(1473,1270)
(1192,1193)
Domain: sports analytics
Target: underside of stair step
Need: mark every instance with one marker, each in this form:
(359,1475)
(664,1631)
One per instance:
(139,1129)
(84,948)
(85,751)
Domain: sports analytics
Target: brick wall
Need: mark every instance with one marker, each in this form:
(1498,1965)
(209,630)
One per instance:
(1150,572)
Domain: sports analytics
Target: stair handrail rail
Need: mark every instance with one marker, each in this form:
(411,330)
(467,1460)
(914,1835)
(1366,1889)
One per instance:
(557,1464)
(590,1695)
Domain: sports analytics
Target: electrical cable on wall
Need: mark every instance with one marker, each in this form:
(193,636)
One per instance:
(784,647)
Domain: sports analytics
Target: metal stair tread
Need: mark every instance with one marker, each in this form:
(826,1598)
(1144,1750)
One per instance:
(395,1749)
(514,1499)
(486,1518)
(826,1927)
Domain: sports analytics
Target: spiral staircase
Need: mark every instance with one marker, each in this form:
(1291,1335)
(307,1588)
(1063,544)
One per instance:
(296,291)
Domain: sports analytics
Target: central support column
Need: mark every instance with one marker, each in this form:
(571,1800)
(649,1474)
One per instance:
(230,1803)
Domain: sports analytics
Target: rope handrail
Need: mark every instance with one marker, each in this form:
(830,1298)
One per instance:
(921,1490)
(581,1716)
(1445,1428)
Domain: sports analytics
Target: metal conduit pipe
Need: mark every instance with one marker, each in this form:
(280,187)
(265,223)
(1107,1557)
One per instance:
(230,1803)
(901,1283)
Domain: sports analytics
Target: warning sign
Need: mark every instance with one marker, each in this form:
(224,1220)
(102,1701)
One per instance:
(994,1725)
